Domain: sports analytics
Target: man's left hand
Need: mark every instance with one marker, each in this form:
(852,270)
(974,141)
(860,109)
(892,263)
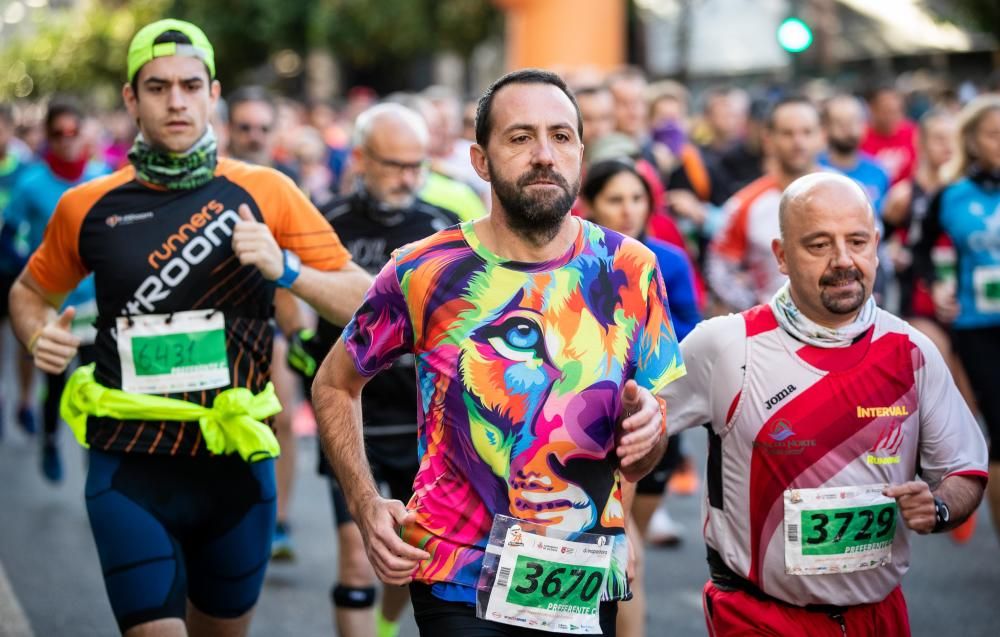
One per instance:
(640,429)
(254,245)
(916,505)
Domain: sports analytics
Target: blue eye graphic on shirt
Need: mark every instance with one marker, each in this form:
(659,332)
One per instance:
(522,335)
(517,339)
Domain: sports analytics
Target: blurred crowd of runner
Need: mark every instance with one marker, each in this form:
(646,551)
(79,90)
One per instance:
(696,175)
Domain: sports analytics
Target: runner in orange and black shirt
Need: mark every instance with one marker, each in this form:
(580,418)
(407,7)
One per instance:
(154,252)
(186,251)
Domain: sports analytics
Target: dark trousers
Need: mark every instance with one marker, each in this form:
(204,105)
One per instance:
(436,617)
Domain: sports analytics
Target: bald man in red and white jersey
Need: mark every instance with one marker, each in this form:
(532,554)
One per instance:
(821,407)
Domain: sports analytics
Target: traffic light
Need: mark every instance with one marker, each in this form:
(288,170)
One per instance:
(794,35)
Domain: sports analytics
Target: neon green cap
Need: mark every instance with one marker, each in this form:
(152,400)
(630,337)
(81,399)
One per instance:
(142,49)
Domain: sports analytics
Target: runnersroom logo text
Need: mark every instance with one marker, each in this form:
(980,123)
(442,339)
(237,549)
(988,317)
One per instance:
(197,221)
(189,246)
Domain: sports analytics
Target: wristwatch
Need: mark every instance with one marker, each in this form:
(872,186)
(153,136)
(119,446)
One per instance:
(293,266)
(941,513)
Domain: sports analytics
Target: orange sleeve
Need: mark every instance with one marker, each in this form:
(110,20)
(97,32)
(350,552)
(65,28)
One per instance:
(292,218)
(57,265)
(731,242)
(697,173)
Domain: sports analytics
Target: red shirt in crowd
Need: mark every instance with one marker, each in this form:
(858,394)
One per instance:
(897,152)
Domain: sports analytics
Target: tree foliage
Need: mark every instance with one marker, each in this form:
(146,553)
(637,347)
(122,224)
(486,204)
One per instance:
(83,49)
(980,15)
(365,31)
(247,33)
(984,13)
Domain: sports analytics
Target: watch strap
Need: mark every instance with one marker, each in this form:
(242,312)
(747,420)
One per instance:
(293,267)
(942,515)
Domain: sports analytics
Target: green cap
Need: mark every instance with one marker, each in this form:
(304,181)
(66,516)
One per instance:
(142,49)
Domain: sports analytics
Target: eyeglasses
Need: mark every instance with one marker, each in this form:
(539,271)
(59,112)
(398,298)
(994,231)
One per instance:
(417,167)
(247,128)
(64,133)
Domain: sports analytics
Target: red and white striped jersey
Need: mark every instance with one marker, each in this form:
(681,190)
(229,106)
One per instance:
(741,268)
(787,416)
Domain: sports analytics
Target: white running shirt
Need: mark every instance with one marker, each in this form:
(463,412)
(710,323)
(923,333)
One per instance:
(802,417)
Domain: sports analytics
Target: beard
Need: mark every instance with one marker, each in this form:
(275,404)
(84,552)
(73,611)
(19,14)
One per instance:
(843,302)
(386,206)
(254,153)
(844,145)
(397,199)
(536,217)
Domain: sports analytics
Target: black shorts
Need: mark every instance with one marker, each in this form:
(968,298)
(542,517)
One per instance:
(6,283)
(655,482)
(979,351)
(170,529)
(436,617)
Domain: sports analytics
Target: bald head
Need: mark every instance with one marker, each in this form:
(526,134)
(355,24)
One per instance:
(827,247)
(821,189)
(390,153)
(389,119)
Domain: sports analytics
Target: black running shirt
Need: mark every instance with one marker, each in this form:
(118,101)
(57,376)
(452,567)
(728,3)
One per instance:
(154,251)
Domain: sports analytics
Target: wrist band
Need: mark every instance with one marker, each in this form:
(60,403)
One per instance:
(663,415)
(34,340)
(293,266)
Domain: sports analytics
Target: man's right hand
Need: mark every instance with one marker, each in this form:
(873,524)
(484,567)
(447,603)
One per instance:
(946,306)
(55,346)
(393,559)
(685,204)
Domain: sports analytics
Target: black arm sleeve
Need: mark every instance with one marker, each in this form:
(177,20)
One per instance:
(929,231)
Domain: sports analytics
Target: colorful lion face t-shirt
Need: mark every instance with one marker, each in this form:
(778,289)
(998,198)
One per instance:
(520,369)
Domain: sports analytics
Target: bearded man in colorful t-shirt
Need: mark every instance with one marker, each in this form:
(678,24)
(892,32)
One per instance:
(540,341)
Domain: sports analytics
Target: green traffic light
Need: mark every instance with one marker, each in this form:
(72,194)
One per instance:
(794,35)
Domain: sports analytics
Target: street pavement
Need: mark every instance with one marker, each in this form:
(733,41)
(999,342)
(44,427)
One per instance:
(50,561)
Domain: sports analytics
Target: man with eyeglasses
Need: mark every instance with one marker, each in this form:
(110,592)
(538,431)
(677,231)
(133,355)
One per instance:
(390,158)
(65,164)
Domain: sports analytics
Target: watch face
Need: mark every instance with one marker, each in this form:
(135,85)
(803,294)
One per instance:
(941,509)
